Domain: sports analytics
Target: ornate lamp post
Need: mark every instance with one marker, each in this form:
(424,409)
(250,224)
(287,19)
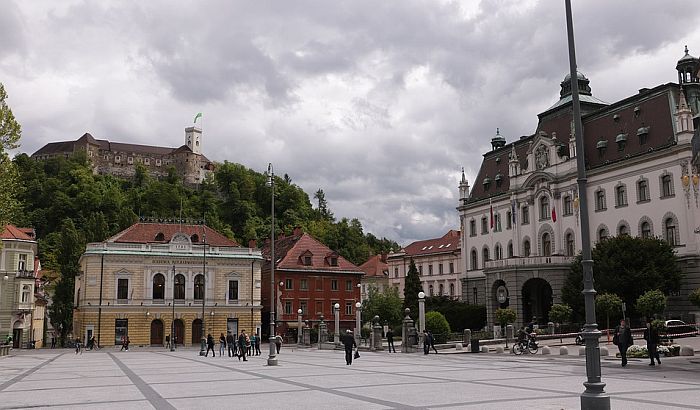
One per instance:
(336,331)
(172,325)
(272,358)
(299,331)
(594,397)
(421,311)
(358,312)
(203,340)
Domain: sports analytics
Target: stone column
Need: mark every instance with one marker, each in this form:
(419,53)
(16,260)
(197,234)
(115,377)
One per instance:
(408,331)
(377,332)
(322,333)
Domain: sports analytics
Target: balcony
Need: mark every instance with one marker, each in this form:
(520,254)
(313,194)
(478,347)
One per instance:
(529,261)
(25,274)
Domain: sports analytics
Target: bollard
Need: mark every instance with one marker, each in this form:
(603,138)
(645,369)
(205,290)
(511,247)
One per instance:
(604,351)
(306,332)
(459,346)
(499,349)
(484,349)
(509,333)
(546,350)
(408,331)
(581,351)
(322,333)
(563,351)
(687,351)
(550,327)
(377,332)
(466,336)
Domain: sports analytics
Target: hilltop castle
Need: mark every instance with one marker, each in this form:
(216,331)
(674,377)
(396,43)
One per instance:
(121,159)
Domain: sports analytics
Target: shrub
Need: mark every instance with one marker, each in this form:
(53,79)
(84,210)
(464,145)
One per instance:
(436,323)
(560,313)
(694,297)
(505,316)
(651,303)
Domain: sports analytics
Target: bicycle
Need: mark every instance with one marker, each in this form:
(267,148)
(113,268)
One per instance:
(529,345)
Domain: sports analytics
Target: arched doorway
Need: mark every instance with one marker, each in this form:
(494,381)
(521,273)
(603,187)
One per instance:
(537,300)
(179,332)
(196,331)
(157,332)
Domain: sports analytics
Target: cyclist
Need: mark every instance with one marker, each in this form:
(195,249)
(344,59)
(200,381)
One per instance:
(523,337)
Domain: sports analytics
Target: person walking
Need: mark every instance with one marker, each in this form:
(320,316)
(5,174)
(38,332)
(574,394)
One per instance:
(77,346)
(278,343)
(390,340)
(251,352)
(125,343)
(432,341)
(231,344)
(242,346)
(222,345)
(651,335)
(53,341)
(210,346)
(257,343)
(426,342)
(623,339)
(348,341)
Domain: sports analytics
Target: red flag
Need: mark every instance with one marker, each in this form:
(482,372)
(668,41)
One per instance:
(554,214)
(491,217)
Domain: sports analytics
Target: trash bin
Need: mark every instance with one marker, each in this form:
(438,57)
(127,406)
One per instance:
(475,346)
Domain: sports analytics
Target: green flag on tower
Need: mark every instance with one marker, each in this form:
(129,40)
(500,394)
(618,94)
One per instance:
(199,115)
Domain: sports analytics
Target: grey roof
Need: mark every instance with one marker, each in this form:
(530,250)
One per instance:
(582,97)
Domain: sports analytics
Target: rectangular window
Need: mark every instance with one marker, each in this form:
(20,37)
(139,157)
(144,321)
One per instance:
(303,307)
(334,284)
(130,160)
(666,186)
(643,191)
(121,330)
(303,284)
(348,285)
(475,295)
(430,270)
(233,290)
(122,289)
(484,226)
(22,265)
(600,200)
(396,272)
(319,284)
(526,216)
(287,307)
(288,284)
(440,272)
(568,208)
(348,308)
(472,228)
(509,221)
(620,196)
(452,267)
(307,261)
(319,308)
(420,270)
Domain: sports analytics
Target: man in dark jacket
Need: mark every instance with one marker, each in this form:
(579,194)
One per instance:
(623,340)
(651,335)
(242,349)
(349,342)
(426,342)
(390,340)
(210,346)
(231,344)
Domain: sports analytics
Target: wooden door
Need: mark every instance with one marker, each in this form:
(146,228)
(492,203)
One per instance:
(157,332)
(179,332)
(196,332)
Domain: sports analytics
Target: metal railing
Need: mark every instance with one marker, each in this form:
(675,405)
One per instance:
(530,260)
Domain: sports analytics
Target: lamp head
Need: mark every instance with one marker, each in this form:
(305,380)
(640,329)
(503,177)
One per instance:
(358,305)
(421,295)
(299,311)
(337,306)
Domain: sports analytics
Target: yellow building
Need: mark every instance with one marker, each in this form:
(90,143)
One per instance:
(129,282)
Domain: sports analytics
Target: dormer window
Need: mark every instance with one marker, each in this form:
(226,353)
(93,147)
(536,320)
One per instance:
(160,237)
(487,183)
(194,238)
(621,141)
(601,146)
(332,259)
(306,258)
(499,179)
(643,133)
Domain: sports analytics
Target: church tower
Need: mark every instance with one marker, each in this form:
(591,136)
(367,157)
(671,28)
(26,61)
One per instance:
(463,189)
(688,68)
(193,139)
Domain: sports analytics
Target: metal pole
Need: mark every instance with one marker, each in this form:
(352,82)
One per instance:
(172,325)
(594,397)
(99,309)
(358,311)
(272,359)
(299,312)
(336,331)
(204,285)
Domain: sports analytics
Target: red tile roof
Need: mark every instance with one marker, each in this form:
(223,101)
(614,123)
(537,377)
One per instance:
(375,266)
(13,232)
(146,232)
(289,251)
(447,243)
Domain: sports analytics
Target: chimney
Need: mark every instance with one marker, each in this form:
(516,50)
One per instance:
(298,231)
(383,257)
(252,243)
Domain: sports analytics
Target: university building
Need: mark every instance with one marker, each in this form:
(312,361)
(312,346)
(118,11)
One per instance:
(121,159)
(521,221)
(153,277)
(438,261)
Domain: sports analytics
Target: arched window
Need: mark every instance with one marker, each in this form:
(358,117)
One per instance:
(544,207)
(160,237)
(526,248)
(179,291)
(623,229)
(26,292)
(199,287)
(498,252)
(475,260)
(671,232)
(452,289)
(643,190)
(430,290)
(570,244)
(194,238)
(602,234)
(159,287)
(646,230)
(441,289)
(546,244)
(600,200)
(510,249)
(620,195)
(485,255)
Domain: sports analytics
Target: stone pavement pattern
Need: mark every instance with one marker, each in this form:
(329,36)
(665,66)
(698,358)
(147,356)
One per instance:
(312,379)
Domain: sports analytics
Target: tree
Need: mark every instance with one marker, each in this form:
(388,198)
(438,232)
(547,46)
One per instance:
(323,209)
(459,315)
(618,268)
(651,303)
(694,297)
(10,132)
(505,316)
(386,304)
(412,288)
(436,323)
(608,304)
(560,313)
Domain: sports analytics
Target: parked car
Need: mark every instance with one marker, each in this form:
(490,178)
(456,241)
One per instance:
(677,327)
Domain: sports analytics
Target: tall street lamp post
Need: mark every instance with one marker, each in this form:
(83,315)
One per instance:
(204,286)
(272,358)
(172,325)
(594,397)
(299,335)
(421,316)
(358,312)
(336,332)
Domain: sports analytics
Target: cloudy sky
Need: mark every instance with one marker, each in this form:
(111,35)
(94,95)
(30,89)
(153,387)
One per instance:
(377,102)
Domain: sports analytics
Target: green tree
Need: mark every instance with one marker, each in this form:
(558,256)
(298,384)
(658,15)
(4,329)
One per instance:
(694,297)
(323,209)
(10,132)
(608,304)
(412,288)
(386,304)
(459,315)
(618,268)
(560,313)
(651,303)
(436,323)
(504,316)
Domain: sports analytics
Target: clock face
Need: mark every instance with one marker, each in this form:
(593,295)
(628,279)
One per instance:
(502,294)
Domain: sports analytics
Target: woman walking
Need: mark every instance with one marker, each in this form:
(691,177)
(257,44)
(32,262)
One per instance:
(222,345)
(210,346)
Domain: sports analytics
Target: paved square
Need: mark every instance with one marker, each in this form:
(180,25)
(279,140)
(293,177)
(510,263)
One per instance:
(313,379)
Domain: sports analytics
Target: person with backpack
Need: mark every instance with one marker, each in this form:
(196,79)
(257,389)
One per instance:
(222,345)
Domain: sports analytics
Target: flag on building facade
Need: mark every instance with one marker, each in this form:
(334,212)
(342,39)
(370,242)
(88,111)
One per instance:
(491,211)
(554,214)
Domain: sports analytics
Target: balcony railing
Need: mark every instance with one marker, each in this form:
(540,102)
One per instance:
(25,274)
(529,261)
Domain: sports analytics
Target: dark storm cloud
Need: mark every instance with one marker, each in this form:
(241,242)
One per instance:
(378,103)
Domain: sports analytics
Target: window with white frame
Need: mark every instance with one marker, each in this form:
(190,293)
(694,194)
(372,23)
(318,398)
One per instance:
(643,190)
(232,289)
(600,200)
(666,182)
(620,196)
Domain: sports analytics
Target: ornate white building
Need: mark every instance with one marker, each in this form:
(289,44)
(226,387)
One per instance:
(520,220)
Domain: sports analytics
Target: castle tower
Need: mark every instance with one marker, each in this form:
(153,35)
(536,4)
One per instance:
(193,139)
(463,189)
(684,120)
(498,141)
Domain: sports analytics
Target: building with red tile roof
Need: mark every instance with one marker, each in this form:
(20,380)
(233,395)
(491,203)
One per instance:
(438,261)
(376,275)
(520,218)
(311,277)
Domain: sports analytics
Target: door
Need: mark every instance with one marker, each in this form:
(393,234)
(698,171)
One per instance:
(157,332)
(16,338)
(232,326)
(179,331)
(196,332)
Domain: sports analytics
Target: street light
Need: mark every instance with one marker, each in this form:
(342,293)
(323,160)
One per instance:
(336,332)
(421,311)
(359,287)
(594,397)
(272,359)
(358,310)
(299,312)
(172,325)
(204,286)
